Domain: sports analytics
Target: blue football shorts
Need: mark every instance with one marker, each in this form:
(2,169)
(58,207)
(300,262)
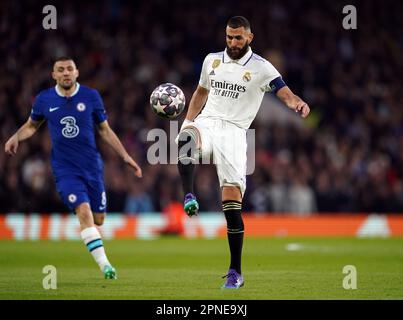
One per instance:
(75,190)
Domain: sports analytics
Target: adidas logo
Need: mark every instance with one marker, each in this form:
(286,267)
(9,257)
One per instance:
(212,73)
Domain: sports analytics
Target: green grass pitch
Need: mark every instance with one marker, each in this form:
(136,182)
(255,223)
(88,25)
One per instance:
(177,268)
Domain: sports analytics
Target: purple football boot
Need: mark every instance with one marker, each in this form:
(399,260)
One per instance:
(234,280)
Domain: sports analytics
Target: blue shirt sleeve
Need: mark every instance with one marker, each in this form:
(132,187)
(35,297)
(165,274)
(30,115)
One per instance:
(99,113)
(37,109)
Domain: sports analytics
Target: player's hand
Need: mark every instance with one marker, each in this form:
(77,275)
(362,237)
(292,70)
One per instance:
(184,124)
(137,170)
(12,146)
(302,107)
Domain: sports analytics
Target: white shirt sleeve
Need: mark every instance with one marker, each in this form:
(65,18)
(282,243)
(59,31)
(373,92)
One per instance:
(270,73)
(204,76)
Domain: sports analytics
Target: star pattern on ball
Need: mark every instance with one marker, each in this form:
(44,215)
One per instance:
(167,101)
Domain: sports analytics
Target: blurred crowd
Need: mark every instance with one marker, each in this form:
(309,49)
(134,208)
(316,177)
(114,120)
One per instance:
(346,157)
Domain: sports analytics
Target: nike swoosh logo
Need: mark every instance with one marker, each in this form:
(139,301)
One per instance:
(102,208)
(53,109)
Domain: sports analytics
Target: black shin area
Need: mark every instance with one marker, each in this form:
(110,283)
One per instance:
(235,231)
(187,158)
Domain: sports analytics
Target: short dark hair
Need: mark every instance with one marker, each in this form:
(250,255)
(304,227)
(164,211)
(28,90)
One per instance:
(64,58)
(238,22)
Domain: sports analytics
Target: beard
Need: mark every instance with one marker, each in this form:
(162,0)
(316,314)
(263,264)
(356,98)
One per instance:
(237,53)
(67,85)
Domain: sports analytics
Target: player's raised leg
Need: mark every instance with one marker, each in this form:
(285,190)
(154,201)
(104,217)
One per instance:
(92,238)
(187,143)
(232,208)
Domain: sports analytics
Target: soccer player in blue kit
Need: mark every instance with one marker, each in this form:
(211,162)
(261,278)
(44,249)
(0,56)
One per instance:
(73,112)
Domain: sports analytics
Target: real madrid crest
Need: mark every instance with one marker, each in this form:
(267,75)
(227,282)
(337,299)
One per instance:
(247,76)
(216,63)
(80,106)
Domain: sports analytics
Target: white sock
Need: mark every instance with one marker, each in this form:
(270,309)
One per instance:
(93,241)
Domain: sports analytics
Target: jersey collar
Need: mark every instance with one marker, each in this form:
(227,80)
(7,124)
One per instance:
(243,61)
(73,94)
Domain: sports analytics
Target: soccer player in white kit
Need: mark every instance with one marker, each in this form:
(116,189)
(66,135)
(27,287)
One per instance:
(231,88)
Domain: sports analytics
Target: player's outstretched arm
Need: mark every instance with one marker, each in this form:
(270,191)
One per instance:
(293,101)
(23,133)
(197,102)
(112,139)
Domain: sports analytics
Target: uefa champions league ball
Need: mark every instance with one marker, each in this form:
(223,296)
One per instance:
(167,101)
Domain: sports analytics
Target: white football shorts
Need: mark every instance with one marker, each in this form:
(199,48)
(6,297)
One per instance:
(223,144)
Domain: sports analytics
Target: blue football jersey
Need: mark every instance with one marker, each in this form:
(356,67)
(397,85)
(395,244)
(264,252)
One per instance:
(71,121)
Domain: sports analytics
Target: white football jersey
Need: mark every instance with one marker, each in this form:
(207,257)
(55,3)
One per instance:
(236,87)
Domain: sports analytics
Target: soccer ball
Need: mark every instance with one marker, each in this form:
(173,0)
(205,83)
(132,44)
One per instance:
(167,101)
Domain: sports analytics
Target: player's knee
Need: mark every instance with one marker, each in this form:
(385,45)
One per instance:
(232,210)
(99,219)
(84,214)
(232,193)
(187,145)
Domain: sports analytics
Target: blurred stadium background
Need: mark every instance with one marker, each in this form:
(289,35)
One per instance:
(347,157)
(339,172)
